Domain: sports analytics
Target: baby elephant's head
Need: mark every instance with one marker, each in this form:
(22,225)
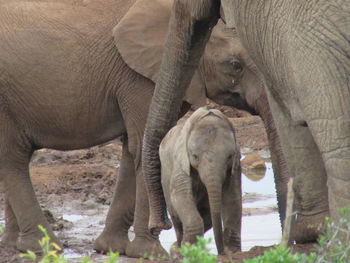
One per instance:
(212,148)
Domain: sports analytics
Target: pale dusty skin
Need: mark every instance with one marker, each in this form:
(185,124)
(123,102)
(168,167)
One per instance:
(201,179)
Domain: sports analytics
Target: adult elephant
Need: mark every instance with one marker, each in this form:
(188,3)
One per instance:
(68,82)
(302,51)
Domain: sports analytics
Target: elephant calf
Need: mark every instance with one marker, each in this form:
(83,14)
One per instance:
(201,179)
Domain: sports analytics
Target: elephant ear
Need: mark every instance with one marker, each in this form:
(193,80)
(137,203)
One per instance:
(237,156)
(196,94)
(182,150)
(173,148)
(173,151)
(140,36)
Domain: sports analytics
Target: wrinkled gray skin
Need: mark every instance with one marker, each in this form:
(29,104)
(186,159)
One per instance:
(64,85)
(201,179)
(302,52)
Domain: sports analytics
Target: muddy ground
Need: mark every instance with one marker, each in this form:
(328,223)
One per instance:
(75,188)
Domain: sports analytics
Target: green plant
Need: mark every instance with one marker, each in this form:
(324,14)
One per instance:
(194,253)
(282,254)
(112,257)
(334,244)
(154,257)
(1,229)
(51,252)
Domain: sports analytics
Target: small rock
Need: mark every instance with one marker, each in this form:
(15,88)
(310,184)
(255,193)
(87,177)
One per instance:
(253,161)
(254,174)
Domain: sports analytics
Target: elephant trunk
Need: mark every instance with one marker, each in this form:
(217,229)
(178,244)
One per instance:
(184,47)
(279,164)
(215,201)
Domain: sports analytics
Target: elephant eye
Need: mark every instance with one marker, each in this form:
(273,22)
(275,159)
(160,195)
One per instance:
(237,66)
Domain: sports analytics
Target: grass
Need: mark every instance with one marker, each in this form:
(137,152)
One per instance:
(199,252)
(51,252)
(282,254)
(334,244)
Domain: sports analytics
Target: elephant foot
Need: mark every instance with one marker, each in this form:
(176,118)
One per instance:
(231,250)
(30,241)
(308,228)
(108,241)
(146,247)
(232,241)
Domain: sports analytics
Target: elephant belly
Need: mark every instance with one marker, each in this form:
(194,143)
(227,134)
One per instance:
(67,127)
(80,131)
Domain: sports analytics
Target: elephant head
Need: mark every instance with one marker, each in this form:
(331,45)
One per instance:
(140,38)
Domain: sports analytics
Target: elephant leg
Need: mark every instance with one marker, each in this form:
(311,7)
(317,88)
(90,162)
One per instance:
(21,203)
(121,212)
(305,164)
(144,242)
(11,232)
(174,249)
(186,208)
(337,162)
(134,100)
(331,131)
(232,213)
(178,230)
(323,90)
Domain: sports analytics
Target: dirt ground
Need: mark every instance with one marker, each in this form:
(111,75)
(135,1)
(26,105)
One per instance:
(84,180)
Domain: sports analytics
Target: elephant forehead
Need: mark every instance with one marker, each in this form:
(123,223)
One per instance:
(210,133)
(212,122)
